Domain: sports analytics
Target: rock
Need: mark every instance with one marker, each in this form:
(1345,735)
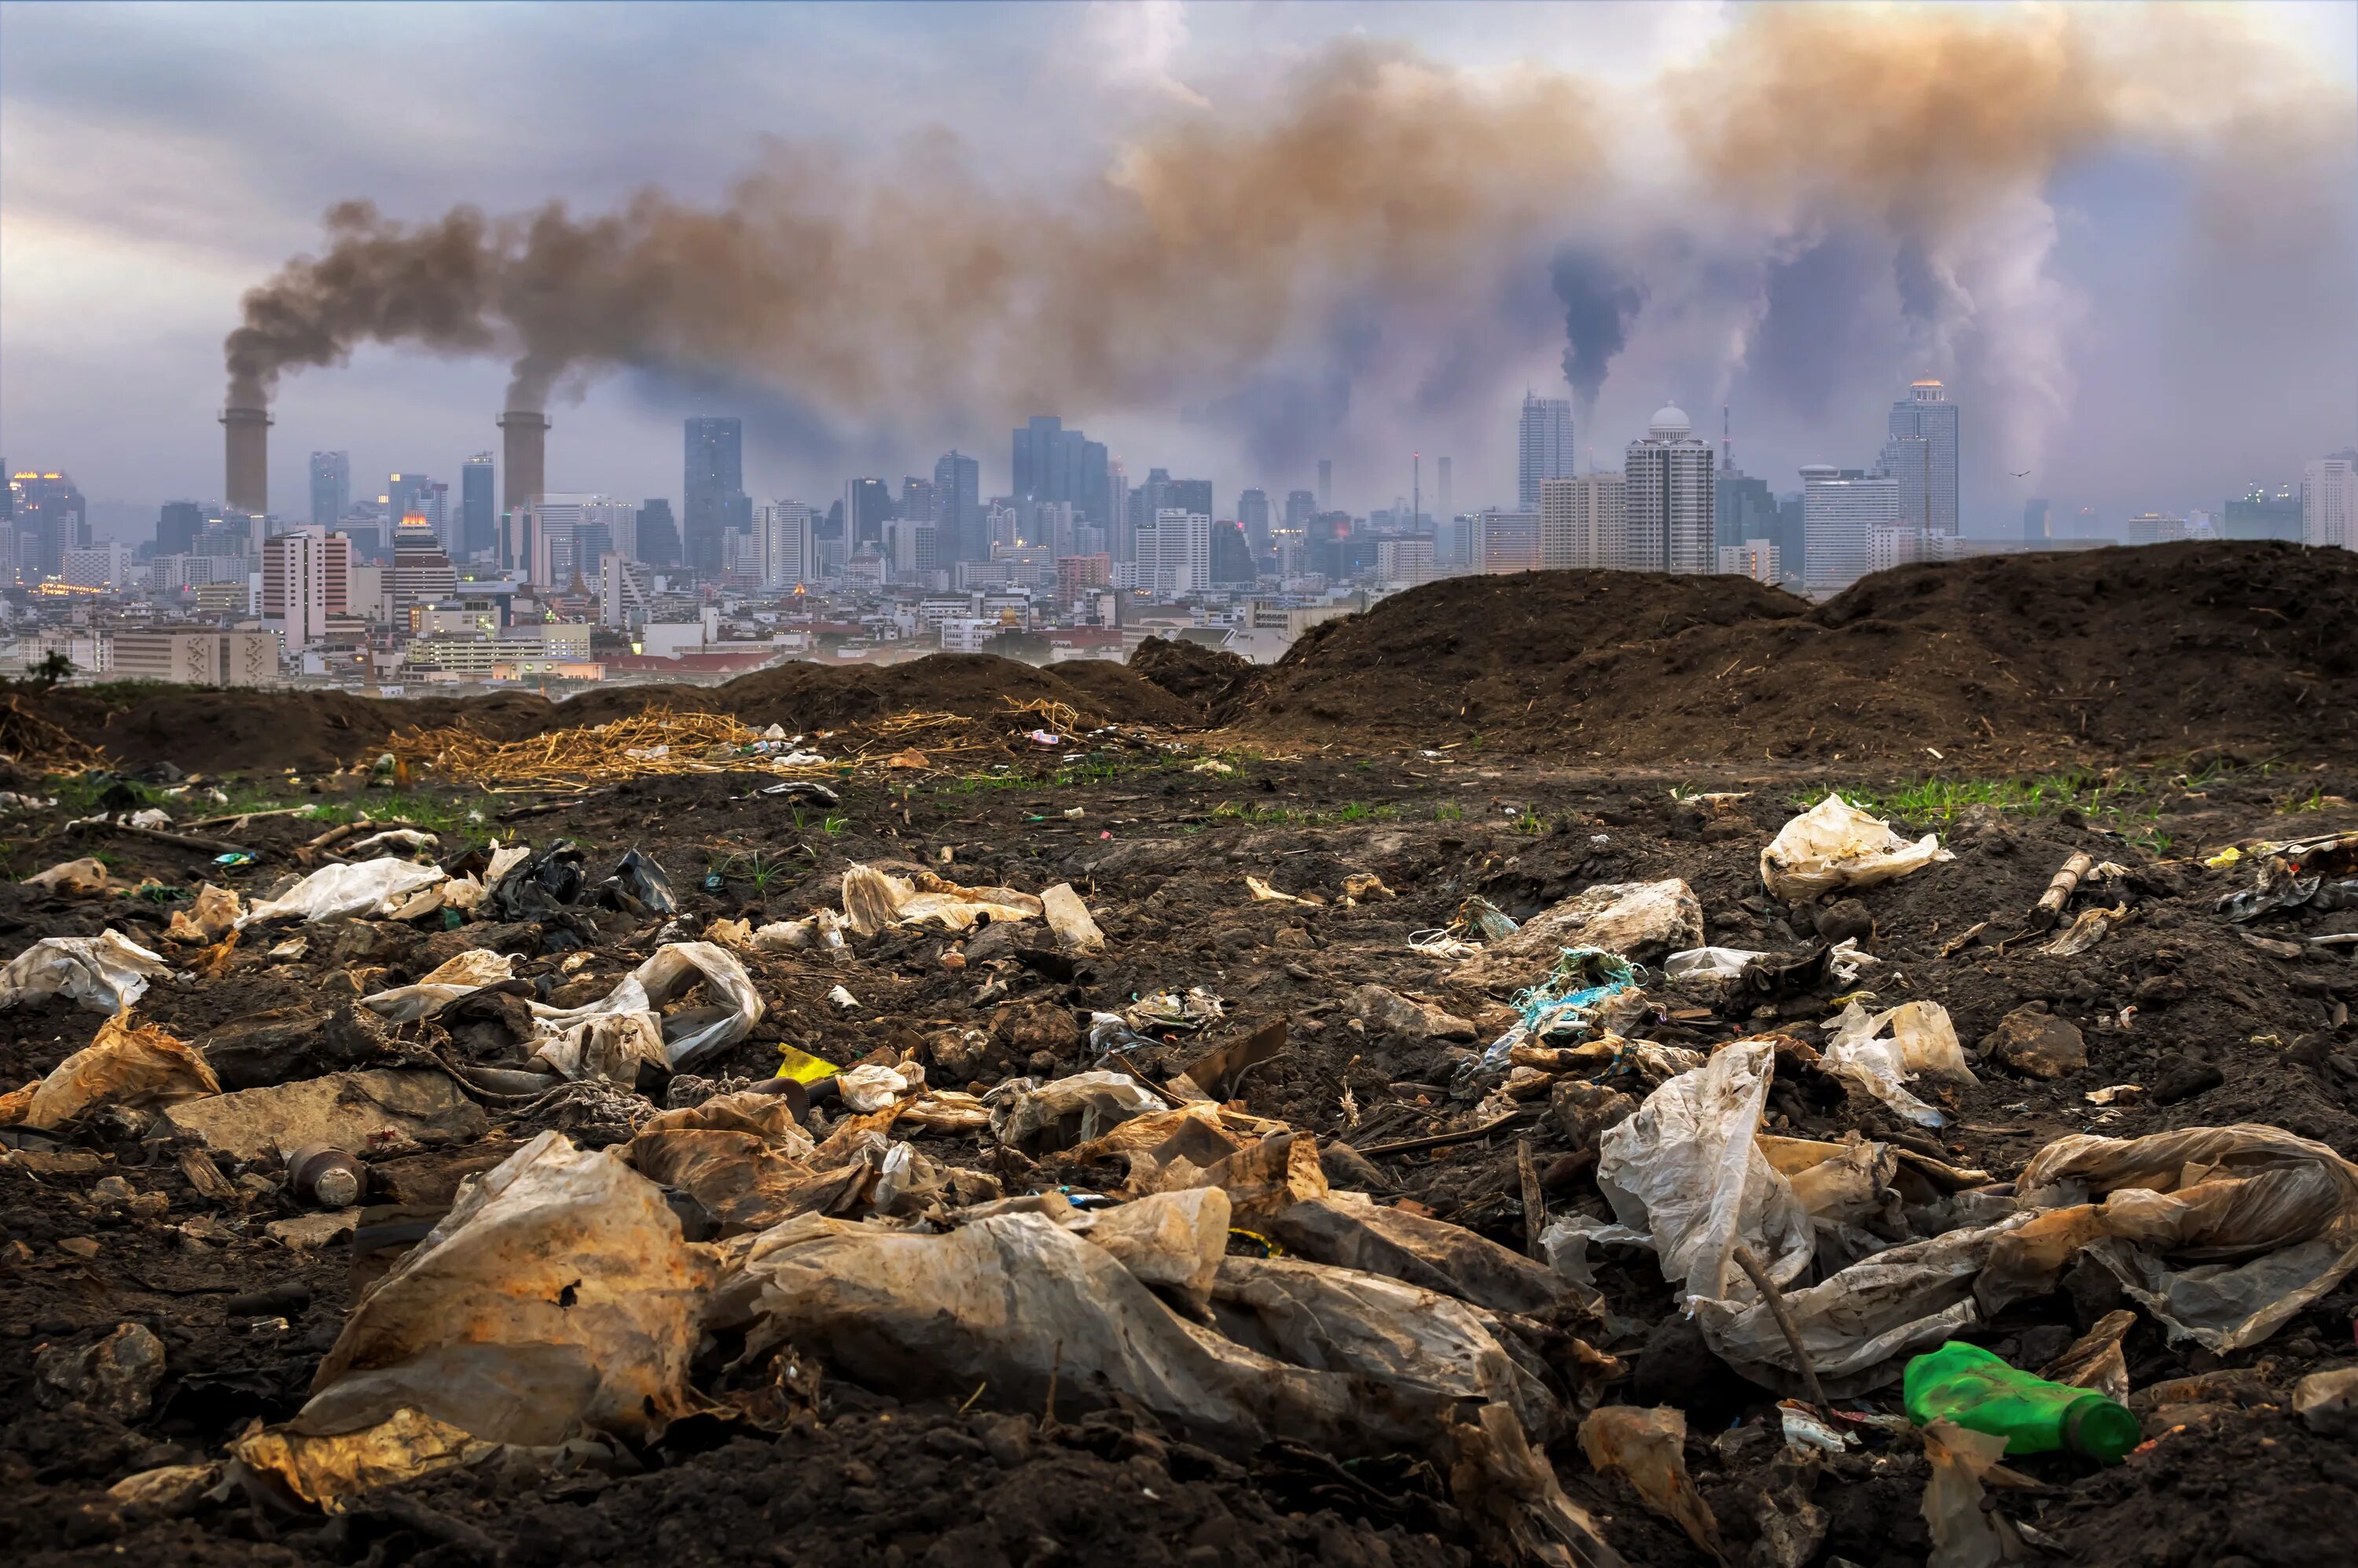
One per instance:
(1846,920)
(2035,1043)
(84,1246)
(117,1376)
(2328,1401)
(1643,922)
(2178,1077)
(955,1056)
(1028,1029)
(1396,1014)
(368,1113)
(309,1232)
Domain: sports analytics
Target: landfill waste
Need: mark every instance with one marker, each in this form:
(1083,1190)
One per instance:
(628,1028)
(1069,918)
(1964,1384)
(2319,873)
(1588,991)
(1966,1531)
(326,1176)
(1835,845)
(212,915)
(1920,1041)
(1647,1446)
(1640,923)
(640,887)
(873,900)
(84,878)
(387,888)
(378,1111)
(125,1064)
(108,971)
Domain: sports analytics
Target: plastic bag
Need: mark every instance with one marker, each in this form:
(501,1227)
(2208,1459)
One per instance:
(1708,963)
(74,878)
(1068,917)
(361,890)
(1175,1240)
(556,1296)
(469,972)
(1649,1447)
(1835,845)
(1640,922)
(608,1037)
(1686,1170)
(640,887)
(822,930)
(213,915)
(873,900)
(1966,1533)
(1042,1118)
(124,1065)
(108,971)
(1922,1040)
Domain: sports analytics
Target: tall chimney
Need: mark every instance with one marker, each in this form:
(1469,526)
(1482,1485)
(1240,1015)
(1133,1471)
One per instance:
(526,468)
(246,436)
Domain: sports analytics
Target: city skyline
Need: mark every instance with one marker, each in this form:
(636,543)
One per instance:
(1832,334)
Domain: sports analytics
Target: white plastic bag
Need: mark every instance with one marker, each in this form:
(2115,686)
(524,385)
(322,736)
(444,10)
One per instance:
(469,972)
(1922,1039)
(873,900)
(1642,922)
(1835,845)
(361,890)
(609,1037)
(108,971)
(1708,963)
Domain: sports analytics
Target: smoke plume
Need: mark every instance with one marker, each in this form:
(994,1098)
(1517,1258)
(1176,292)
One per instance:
(1212,258)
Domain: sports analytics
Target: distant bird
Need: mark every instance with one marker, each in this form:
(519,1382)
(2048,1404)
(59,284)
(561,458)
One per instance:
(2023,474)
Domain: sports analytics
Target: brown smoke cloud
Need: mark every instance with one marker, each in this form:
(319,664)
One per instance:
(1223,240)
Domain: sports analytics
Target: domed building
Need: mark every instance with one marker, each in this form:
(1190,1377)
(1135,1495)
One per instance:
(1668,507)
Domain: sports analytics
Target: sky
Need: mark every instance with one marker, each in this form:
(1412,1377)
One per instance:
(1228,240)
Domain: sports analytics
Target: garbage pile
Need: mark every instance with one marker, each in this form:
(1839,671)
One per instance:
(1559,1208)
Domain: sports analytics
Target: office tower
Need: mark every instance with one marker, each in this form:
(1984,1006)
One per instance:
(1926,413)
(712,493)
(920,502)
(405,494)
(1301,506)
(1440,499)
(867,507)
(910,545)
(1508,541)
(1668,506)
(560,537)
(1174,553)
(1743,508)
(2329,504)
(1581,525)
(1052,463)
(294,585)
(784,541)
(1840,510)
(421,571)
(177,527)
(2034,519)
(1120,542)
(957,490)
(1906,462)
(1149,499)
(1326,484)
(1232,555)
(51,518)
(658,533)
(1544,447)
(2264,513)
(331,488)
(1188,496)
(1252,517)
(479,513)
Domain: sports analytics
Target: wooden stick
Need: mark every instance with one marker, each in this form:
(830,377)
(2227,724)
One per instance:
(178,840)
(1750,1264)
(247,817)
(1444,1139)
(2051,905)
(1534,1201)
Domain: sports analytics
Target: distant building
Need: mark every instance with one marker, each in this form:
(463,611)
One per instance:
(196,655)
(1743,507)
(52,517)
(1232,557)
(1174,556)
(2155,528)
(713,499)
(411,494)
(658,533)
(1755,558)
(97,566)
(2036,527)
(1840,510)
(625,594)
(2263,513)
(1543,448)
(1252,515)
(1079,575)
(867,507)
(331,488)
(957,490)
(1581,524)
(2329,504)
(478,516)
(177,527)
(1405,561)
(1669,511)
(1507,542)
(1926,415)
(296,571)
(422,572)
(1052,463)
(785,541)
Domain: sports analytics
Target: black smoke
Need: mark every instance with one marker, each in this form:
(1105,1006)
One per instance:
(1599,302)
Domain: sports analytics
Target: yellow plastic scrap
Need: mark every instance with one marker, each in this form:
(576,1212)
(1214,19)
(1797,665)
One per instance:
(804,1067)
(2224,857)
(320,1470)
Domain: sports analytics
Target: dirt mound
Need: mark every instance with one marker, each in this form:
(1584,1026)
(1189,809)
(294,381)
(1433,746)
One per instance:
(1127,695)
(269,731)
(2116,654)
(1203,675)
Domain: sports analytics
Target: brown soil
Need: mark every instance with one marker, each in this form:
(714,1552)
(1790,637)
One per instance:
(2108,655)
(1206,677)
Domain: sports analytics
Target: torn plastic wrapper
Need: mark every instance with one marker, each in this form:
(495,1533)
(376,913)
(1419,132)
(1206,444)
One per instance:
(1588,991)
(1966,1533)
(124,1065)
(1708,963)
(1649,1447)
(823,930)
(606,1038)
(461,976)
(360,889)
(1922,1039)
(1640,923)
(1069,918)
(108,971)
(213,915)
(1043,1118)
(1835,845)
(74,878)
(873,900)
(1351,1230)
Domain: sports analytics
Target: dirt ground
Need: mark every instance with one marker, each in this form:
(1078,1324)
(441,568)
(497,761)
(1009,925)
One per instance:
(1158,826)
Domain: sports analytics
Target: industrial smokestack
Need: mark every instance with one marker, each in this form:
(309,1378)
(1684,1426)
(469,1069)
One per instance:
(526,475)
(246,437)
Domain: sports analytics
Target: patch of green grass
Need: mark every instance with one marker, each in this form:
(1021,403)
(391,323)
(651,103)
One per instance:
(976,783)
(753,867)
(436,813)
(2313,801)
(1449,811)
(2126,804)
(834,825)
(1530,822)
(1294,817)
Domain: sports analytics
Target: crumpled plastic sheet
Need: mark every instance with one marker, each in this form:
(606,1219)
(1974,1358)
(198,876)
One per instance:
(461,976)
(108,971)
(124,1065)
(212,916)
(873,900)
(1835,845)
(608,1037)
(1708,963)
(356,890)
(1922,1039)
(1638,922)
(1076,1109)
(1649,1447)
(1571,1002)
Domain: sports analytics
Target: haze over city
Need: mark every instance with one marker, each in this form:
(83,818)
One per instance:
(1229,241)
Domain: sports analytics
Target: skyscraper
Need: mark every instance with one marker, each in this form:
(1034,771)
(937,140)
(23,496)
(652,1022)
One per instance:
(1840,510)
(405,494)
(1927,414)
(177,527)
(1252,515)
(1668,507)
(478,516)
(1052,463)
(1544,447)
(1441,500)
(957,490)
(331,488)
(2034,519)
(713,488)
(868,506)
(1326,484)
(2329,504)
(658,533)
(1581,521)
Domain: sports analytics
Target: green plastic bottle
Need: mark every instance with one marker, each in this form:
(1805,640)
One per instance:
(1967,1385)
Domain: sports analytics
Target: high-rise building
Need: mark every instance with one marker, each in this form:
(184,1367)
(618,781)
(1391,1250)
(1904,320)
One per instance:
(1232,555)
(1543,448)
(479,511)
(2035,520)
(713,488)
(1508,541)
(1743,506)
(560,536)
(1441,500)
(294,585)
(957,490)
(1326,484)
(2264,513)
(867,507)
(177,527)
(421,570)
(1926,413)
(2329,504)
(409,493)
(1252,515)
(1052,463)
(51,518)
(1175,555)
(1581,526)
(1906,462)
(658,533)
(785,545)
(1840,510)
(1670,511)
(331,488)
(1188,496)
(920,502)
